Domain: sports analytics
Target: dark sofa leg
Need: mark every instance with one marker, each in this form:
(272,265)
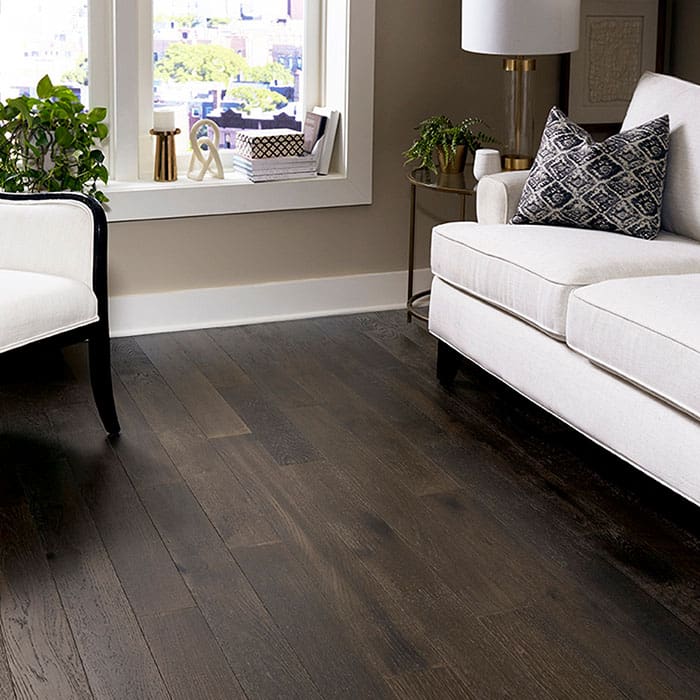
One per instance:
(101,379)
(447,364)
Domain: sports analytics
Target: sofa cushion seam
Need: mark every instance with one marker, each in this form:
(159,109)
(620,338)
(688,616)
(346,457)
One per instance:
(632,322)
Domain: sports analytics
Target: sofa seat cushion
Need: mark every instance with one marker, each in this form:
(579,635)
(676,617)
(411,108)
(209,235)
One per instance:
(35,306)
(531,270)
(646,330)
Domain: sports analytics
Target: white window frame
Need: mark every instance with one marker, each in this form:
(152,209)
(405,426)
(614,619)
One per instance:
(121,78)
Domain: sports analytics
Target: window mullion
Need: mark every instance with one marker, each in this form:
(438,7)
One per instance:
(131,92)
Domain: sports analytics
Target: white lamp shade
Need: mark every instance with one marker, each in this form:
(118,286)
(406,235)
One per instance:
(520,27)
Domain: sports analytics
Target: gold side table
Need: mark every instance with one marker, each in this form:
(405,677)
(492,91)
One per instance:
(461,184)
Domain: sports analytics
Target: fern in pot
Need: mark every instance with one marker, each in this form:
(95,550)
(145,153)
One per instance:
(452,143)
(50,143)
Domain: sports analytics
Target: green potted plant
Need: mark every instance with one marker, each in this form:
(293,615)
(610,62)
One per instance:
(452,143)
(50,143)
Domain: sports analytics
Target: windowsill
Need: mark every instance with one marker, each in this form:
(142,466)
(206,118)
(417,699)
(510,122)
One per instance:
(141,200)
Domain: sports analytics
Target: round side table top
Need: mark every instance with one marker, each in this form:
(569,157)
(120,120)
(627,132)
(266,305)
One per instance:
(458,183)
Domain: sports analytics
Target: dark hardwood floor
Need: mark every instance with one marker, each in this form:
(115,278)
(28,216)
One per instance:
(299,510)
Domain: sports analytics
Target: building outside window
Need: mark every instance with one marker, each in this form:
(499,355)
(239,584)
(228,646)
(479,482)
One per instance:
(39,37)
(237,63)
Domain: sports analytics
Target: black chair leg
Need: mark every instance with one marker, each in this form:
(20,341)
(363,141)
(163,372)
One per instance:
(101,378)
(447,364)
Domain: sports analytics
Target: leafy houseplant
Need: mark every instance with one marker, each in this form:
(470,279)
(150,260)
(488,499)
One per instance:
(452,142)
(50,143)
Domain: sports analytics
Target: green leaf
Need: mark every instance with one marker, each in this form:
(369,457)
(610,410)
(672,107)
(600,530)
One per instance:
(97,114)
(102,131)
(44,88)
(64,137)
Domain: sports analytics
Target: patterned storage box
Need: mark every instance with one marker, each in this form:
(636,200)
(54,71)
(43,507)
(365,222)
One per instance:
(270,143)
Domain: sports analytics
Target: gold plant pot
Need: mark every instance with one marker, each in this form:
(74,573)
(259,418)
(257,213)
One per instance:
(454,163)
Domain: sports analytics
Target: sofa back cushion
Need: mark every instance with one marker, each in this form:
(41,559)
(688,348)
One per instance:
(661,94)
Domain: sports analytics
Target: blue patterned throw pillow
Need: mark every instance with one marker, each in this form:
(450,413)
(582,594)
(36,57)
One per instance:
(616,185)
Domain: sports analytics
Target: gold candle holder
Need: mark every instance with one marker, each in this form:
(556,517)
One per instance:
(165,167)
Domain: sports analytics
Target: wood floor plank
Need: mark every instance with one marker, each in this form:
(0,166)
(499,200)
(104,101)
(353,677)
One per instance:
(296,346)
(450,544)
(144,567)
(210,412)
(211,359)
(270,426)
(564,668)
(429,684)
(248,347)
(238,518)
(483,665)
(6,688)
(373,534)
(584,657)
(191,458)
(150,392)
(416,589)
(192,664)
(113,651)
(38,656)
(381,628)
(256,650)
(313,629)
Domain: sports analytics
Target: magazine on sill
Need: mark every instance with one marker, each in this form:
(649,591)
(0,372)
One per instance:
(274,165)
(281,176)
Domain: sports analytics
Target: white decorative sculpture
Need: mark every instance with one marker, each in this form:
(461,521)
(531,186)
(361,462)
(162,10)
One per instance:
(208,160)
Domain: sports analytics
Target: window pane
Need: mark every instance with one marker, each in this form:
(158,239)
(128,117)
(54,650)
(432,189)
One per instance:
(237,62)
(39,37)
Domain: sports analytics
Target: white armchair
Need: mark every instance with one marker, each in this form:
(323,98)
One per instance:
(53,281)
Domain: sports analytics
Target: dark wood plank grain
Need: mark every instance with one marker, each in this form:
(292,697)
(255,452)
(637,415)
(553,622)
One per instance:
(38,655)
(212,360)
(256,650)
(310,623)
(374,534)
(115,655)
(239,519)
(6,688)
(249,347)
(429,684)
(381,628)
(210,412)
(270,426)
(435,528)
(192,663)
(298,345)
(482,664)
(144,567)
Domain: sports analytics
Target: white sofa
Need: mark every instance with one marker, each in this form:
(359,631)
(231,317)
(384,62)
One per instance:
(600,329)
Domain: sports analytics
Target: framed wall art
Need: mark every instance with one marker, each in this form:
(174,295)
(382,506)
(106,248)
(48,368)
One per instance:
(620,39)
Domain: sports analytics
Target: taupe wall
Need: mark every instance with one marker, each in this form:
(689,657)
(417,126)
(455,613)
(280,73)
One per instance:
(684,50)
(420,70)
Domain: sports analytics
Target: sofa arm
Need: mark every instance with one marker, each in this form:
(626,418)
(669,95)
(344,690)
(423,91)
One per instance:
(57,234)
(497,196)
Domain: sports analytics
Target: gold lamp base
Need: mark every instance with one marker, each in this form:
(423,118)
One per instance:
(519,72)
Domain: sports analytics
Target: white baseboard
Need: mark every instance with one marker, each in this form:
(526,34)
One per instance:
(140,314)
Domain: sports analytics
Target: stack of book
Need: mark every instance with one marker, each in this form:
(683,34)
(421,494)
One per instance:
(320,127)
(280,168)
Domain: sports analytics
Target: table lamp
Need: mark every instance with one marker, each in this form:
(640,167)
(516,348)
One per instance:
(519,30)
